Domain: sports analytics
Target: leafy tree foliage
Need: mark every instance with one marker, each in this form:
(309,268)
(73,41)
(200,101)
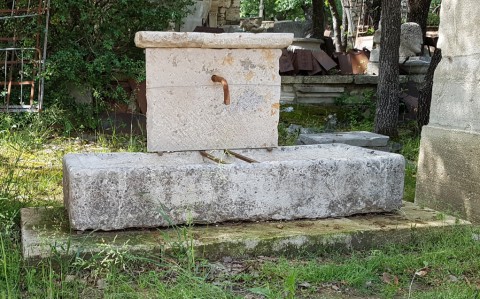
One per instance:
(280,9)
(91,42)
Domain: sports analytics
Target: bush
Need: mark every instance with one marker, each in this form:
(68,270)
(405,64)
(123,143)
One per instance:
(91,43)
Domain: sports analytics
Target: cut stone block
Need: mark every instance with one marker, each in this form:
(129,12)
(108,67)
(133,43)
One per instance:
(45,232)
(175,123)
(159,39)
(358,138)
(123,190)
(320,89)
(448,176)
(186,110)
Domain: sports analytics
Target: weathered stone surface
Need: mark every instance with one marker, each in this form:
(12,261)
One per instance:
(372,68)
(448,173)
(366,79)
(458,34)
(45,232)
(312,44)
(320,89)
(159,39)
(411,40)
(328,79)
(416,65)
(358,138)
(292,79)
(448,177)
(456,94)
(178,119)
(372,79)
(186,110)
(198,13)
(299,29)
(122,190)
(193,67)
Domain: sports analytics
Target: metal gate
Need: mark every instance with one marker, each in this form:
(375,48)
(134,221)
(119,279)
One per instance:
(23,42)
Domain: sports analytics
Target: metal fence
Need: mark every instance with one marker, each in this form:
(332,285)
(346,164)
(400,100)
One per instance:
(23,41)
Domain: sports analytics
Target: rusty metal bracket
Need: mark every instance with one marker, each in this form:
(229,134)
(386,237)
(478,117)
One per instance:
(241,157)
(226,92)
(212,157)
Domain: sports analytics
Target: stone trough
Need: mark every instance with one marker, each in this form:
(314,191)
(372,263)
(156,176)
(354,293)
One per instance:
(125,190)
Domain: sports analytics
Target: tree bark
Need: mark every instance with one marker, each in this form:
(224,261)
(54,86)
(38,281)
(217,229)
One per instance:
(347,11)
(386,116)
(336,26)
(318,19)
(425,91)
(418,13)
(344,29)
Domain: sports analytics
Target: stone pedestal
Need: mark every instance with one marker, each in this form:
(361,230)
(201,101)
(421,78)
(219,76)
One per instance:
(186,110)
(448,177)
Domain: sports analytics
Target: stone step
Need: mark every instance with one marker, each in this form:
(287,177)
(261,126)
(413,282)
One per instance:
(127,190)
(45,232)
(316,100)
(320,89)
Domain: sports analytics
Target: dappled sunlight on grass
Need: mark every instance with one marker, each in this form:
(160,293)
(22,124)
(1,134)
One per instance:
(31,175)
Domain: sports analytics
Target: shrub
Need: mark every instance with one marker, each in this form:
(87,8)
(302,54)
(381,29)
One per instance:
(91,42)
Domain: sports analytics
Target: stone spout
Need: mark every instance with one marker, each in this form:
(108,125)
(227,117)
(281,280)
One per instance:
(226,92)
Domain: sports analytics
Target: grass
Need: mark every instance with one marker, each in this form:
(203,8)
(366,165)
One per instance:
(31,175)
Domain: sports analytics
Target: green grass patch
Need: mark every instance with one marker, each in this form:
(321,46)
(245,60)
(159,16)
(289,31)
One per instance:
(31,175)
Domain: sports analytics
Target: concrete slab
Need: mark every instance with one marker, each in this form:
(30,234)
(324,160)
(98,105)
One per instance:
(356,138)
(45,232)
(128,190)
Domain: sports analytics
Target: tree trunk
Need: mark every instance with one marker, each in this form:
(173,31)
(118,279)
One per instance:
(376,13)
(336,26)
(261,8)
(386,117)
(318,19)
(418,13)
(347,10)
(425,91)
(344,29)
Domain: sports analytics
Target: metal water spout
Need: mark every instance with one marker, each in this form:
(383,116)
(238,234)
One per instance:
(226,92)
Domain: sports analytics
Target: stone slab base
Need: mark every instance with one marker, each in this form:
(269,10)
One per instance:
(356,138)
(45,232)
(128,190)
(448,177)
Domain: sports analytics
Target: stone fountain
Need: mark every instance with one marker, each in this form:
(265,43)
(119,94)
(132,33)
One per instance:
(212,116)
(213,111)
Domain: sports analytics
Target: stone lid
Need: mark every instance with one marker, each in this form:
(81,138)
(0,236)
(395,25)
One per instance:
(160,39)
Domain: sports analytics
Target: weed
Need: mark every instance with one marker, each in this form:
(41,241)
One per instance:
(359,110)
(30,175)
